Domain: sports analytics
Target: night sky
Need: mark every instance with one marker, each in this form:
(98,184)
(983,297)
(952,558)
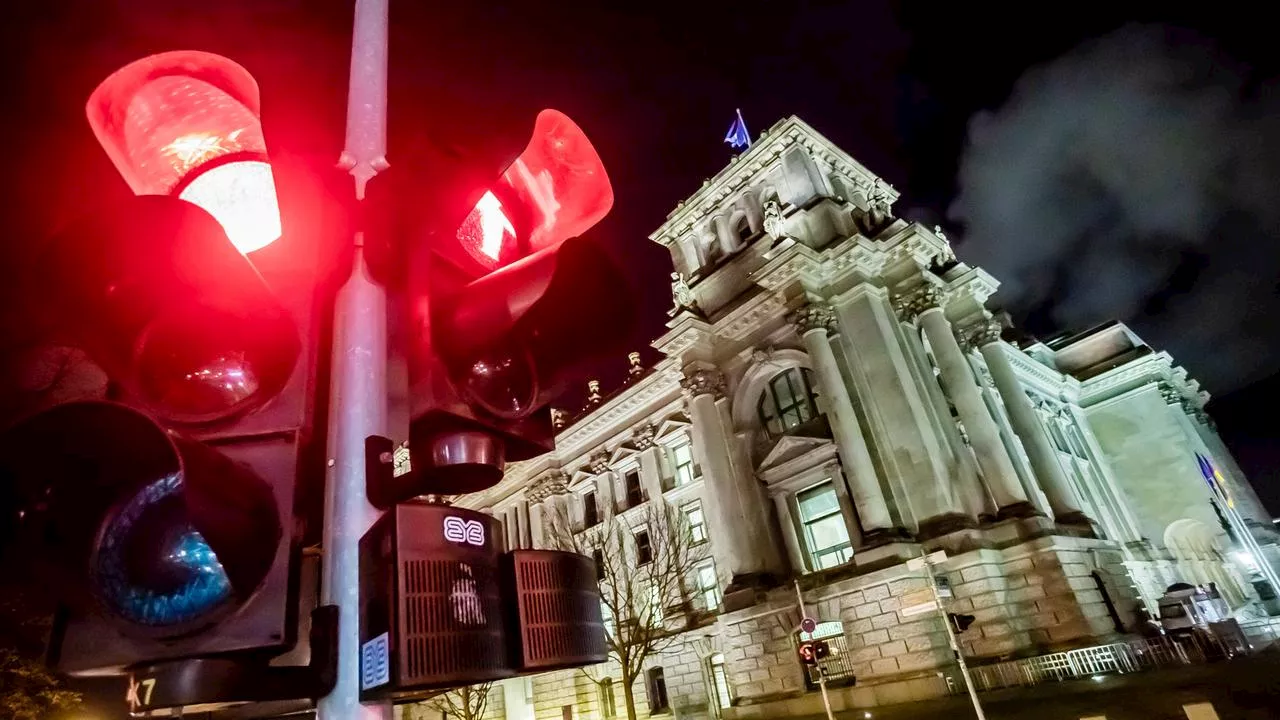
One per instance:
(1106,160)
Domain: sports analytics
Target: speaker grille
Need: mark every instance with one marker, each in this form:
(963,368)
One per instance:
(452,622)
(559,606)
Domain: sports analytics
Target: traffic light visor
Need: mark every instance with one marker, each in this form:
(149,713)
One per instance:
(188,123)
(556,189)
(173,533)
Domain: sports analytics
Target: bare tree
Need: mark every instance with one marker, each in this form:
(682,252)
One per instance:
(464,703)
(646,563)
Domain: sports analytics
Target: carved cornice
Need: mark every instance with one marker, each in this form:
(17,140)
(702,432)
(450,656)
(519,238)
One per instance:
(553,483)
(748,318)
(703,381)
(598,461)
(814,316)
(910,304)
(642,437)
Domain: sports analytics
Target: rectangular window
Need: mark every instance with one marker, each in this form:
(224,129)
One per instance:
(657,686)
(721,681)
(708,585)
(825,533)
(682,459)
(590,513)
(697,521)
(655,607)
(635,493)
(644,549)
(598,556)
(606,618)
(608,705)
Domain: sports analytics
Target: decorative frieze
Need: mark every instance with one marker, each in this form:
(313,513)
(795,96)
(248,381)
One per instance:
(814,316)
(910,304)
(553,483)
(703,381)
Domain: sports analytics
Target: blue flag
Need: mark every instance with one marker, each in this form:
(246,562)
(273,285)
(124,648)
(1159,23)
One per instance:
(738,136)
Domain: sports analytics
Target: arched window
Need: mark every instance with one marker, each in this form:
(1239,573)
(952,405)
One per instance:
(788,402)
(742,228)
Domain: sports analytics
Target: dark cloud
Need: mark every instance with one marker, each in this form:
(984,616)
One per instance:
(1135,177)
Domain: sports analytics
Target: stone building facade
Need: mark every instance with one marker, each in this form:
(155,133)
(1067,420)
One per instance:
(834,398)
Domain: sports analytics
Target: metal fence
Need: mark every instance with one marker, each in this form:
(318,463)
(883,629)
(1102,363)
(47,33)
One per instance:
(1123,657)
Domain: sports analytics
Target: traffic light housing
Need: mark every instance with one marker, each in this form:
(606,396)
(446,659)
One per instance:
(960,622)
(505,295)
(170,510)
(442,605)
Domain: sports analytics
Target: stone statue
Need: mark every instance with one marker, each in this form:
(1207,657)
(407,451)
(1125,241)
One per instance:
(773,219)
(682,295)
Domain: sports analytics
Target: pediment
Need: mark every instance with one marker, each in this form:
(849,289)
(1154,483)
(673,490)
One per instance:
(788,448)
(622,453)
(672,426)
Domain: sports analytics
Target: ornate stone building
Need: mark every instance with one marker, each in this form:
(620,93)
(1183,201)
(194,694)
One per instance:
(834,398)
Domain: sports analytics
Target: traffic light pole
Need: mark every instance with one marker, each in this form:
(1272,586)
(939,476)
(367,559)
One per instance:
(358,400)
(822,673)
(951,637)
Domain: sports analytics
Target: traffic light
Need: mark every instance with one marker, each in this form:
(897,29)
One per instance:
(169,510)
(821,650)
(441,605)
(808,655)
(506,297)
(959,622)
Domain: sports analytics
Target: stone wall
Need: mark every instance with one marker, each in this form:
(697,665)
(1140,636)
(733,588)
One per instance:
(1034,597)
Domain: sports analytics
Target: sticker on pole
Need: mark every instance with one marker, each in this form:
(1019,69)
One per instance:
(375,662)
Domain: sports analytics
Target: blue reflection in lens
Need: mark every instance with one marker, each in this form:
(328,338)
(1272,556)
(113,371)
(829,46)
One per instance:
(178,578)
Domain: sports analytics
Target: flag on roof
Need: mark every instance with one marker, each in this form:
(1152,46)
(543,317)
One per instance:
(738,136)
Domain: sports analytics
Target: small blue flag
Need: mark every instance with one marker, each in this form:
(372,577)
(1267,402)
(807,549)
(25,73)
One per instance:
(738,136)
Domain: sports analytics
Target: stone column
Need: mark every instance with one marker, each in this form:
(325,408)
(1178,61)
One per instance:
(790,536)
(923,305)
(598,463)
(642,437)
(813,322)
(1022,416)
(741,532)
(549,510)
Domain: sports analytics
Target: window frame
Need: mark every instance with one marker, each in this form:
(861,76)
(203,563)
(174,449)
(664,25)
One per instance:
(656,685)
(713,589)
(691,467)
(814,555)
(639,487)
(597,556)
(696,529)
(590,502)
(803,405)
(720,687)
(645,557)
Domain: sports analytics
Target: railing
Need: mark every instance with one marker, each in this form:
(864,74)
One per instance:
(1124,657)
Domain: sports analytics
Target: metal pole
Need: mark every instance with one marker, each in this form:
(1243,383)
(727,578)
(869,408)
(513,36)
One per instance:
(358,399)
(822,673)
(951,638)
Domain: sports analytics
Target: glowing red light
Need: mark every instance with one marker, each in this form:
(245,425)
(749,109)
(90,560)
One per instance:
(486,230)
(561,180)
(188,123)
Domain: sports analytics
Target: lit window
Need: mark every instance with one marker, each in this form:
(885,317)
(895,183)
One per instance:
(682,458)
(708,584)
(644,549)
(720,680)
(606,618)
(655,607)
(825,533)
(788,402)
(697,521)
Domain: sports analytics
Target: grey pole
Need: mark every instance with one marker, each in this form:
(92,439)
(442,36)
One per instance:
(358,399)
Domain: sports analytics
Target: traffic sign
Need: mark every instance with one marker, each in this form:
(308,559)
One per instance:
(809,625)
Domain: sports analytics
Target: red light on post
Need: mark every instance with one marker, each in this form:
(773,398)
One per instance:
(188,123)
(557,189)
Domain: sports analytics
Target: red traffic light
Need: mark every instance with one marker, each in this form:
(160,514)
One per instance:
(556,189)
(806,653)
(188,124)
(166,305)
